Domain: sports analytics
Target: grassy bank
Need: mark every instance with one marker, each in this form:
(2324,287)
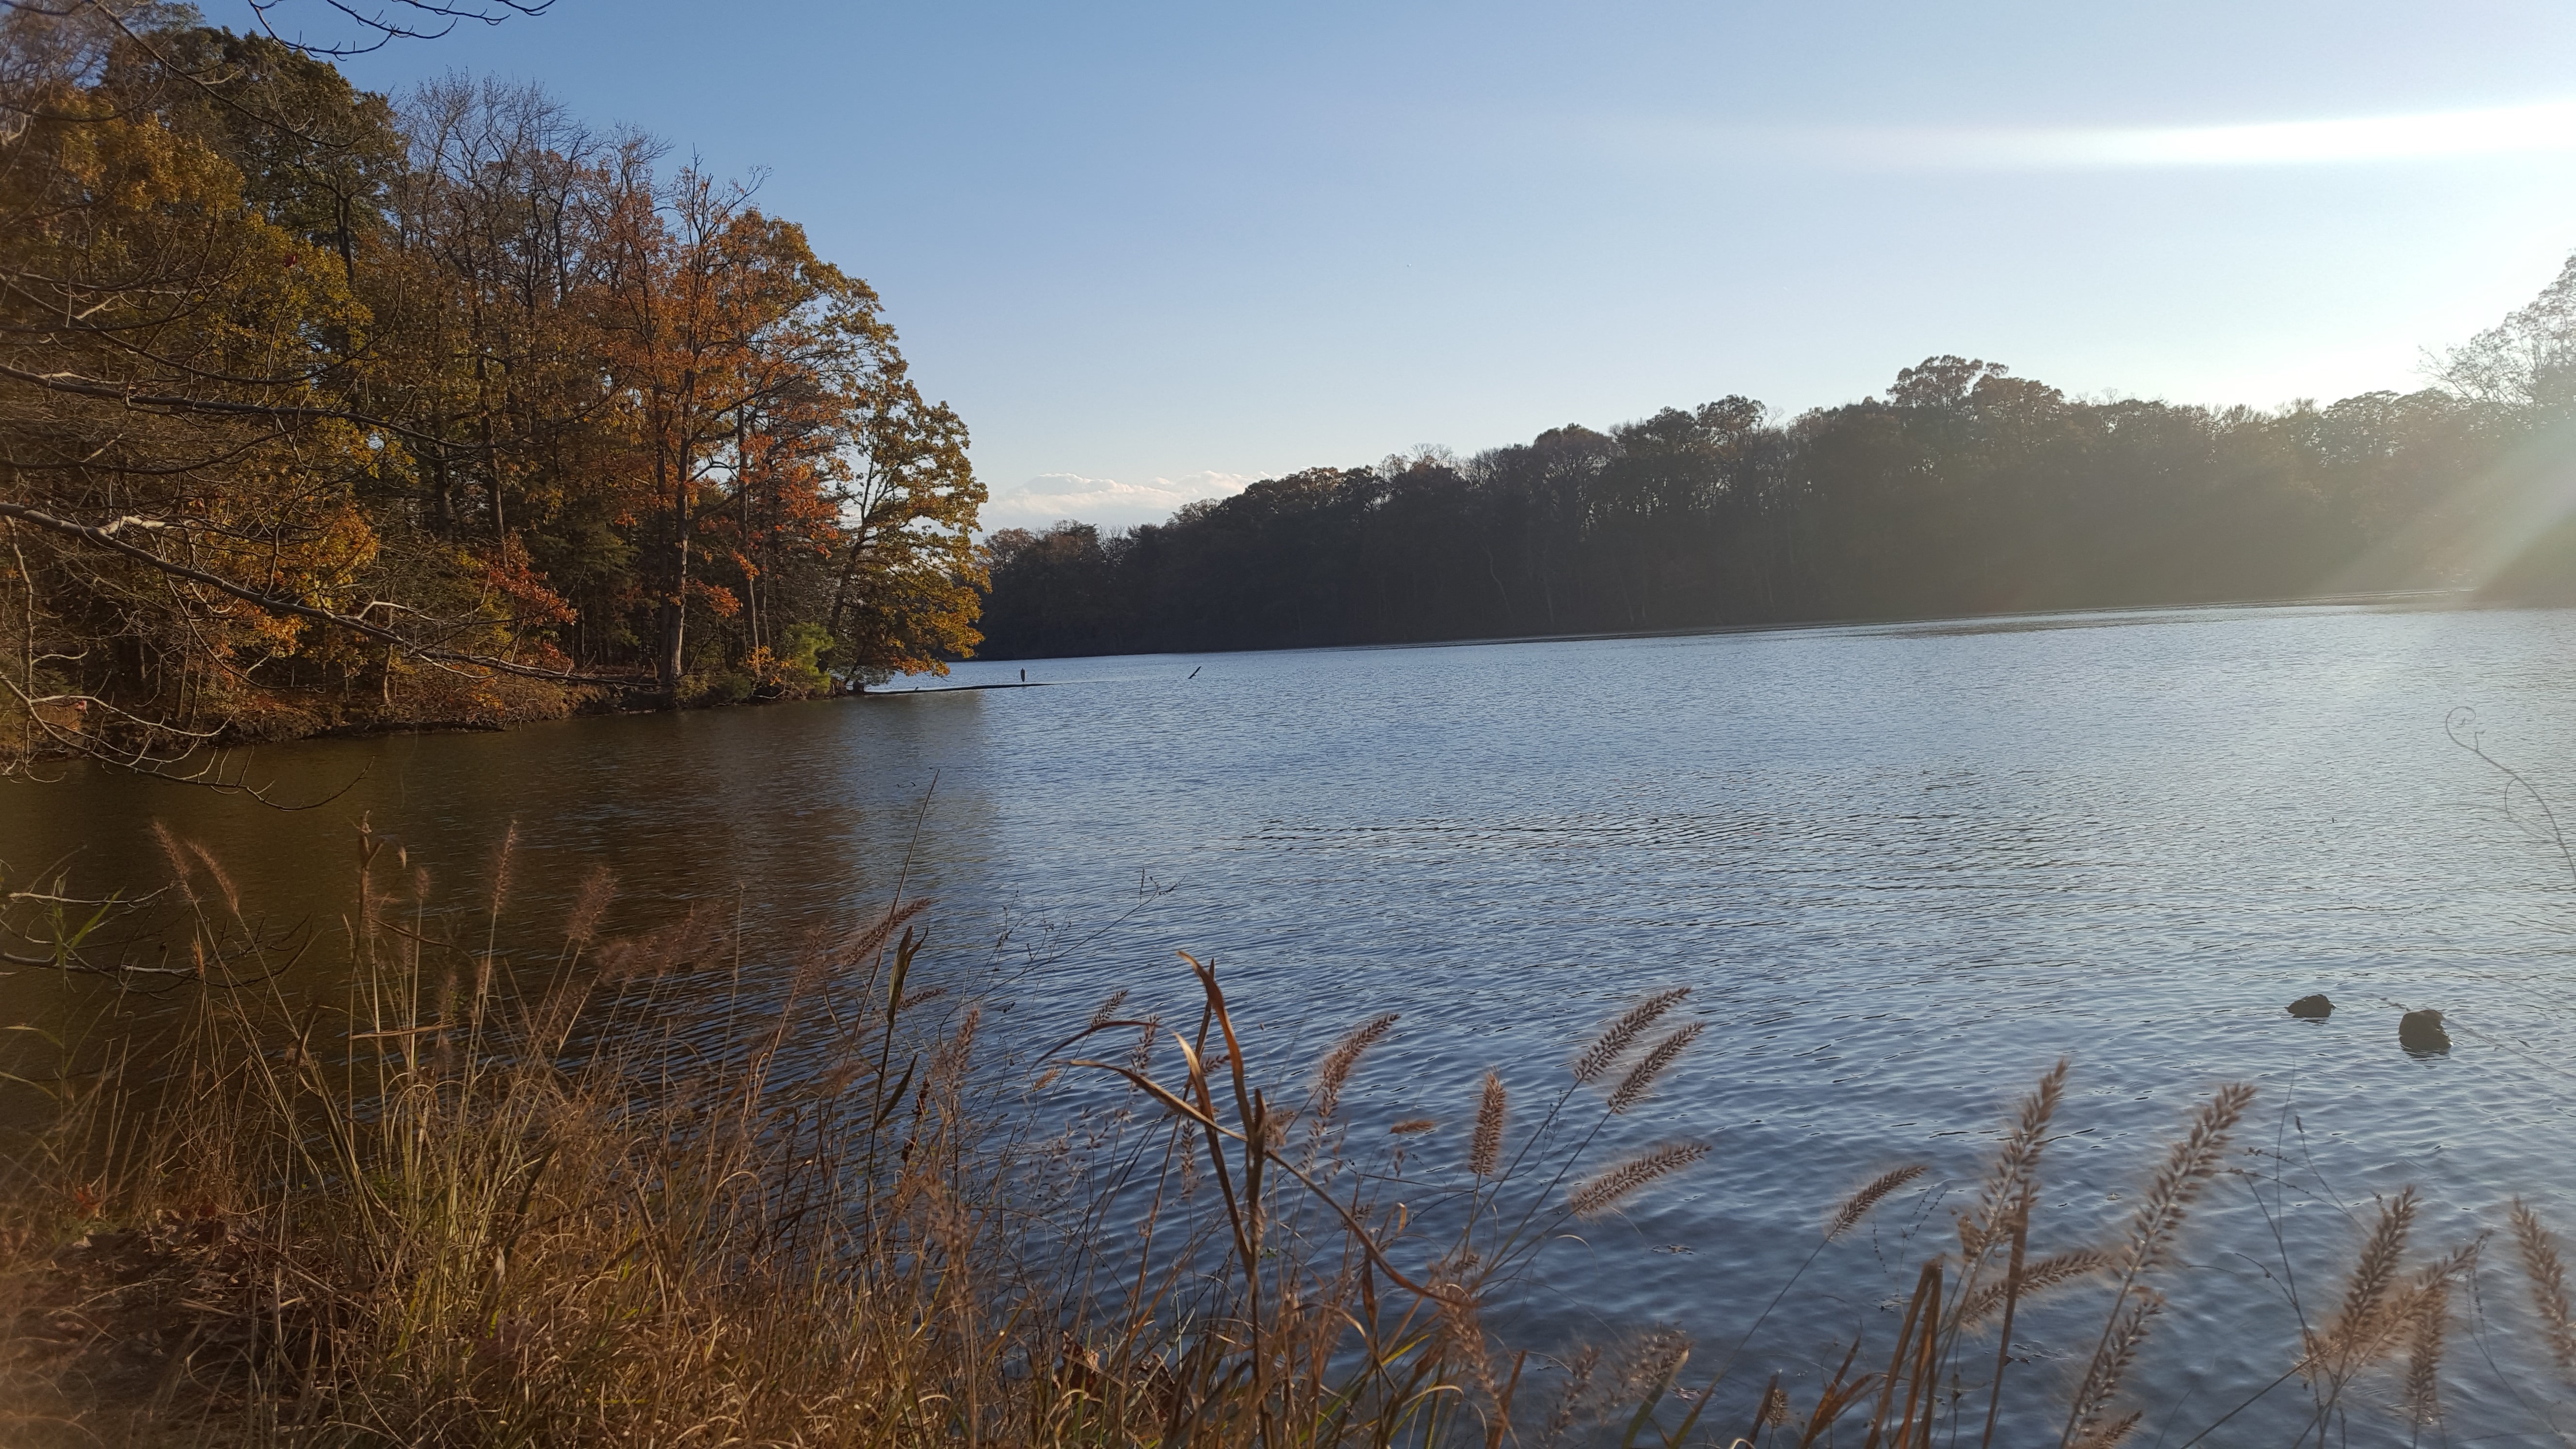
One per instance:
(650,1190)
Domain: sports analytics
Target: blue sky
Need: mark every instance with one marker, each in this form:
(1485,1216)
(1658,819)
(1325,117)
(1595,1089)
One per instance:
(1152,252)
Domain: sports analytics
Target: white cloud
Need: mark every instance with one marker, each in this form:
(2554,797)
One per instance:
(1051,497)
(2498,131)
(2543,127)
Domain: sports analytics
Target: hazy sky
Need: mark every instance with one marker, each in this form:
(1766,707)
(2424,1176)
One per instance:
(1153,252)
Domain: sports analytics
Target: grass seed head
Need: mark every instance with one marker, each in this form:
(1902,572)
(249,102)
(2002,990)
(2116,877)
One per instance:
(1334,1072)
(1485,1148)
(1640,1080)
(2036,1278)
(2543,1270)
(598,888)
(1621,1032)
(1870,1195)
(1578,1388)
(1626,1179)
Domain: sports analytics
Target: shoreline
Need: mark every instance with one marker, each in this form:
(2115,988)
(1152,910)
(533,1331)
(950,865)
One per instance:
(2428,599)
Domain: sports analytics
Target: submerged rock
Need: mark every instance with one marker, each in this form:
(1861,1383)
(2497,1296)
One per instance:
(2421,1032)
(2313,1007)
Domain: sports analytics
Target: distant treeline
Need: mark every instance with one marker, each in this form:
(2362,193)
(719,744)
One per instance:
(1963,490)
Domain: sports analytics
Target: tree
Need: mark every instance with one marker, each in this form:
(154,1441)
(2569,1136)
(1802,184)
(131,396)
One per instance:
(184,439)
(320,412)
(1962,489)
(2527,361)
(910,584)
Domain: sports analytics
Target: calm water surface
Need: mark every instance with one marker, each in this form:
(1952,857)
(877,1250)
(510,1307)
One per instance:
(1906,868)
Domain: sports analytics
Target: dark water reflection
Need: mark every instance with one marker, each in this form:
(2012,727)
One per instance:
(1906,868)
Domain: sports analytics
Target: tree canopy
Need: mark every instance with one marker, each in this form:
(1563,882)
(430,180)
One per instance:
(1963,489)
(320,410)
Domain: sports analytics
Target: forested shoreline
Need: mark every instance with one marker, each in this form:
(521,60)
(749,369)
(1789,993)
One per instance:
(324,410)
(328,411)
(1963,490)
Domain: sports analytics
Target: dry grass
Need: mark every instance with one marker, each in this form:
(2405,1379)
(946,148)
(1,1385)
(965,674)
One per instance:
(454,1212)
(2547,1278)
(1493,1107)
(646,1191)
(1625,1180)
(1871,1194)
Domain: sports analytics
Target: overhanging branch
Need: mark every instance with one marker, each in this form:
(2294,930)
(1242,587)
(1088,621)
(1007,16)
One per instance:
(292,608)
(135,397)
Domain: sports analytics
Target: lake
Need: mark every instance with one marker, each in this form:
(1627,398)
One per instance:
(1904,867)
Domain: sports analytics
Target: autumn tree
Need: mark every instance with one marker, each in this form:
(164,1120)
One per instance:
(907,590)
(180,467)
(316,411)
(187,441)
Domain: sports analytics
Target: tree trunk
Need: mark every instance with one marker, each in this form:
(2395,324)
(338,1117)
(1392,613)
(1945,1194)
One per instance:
(675,608)
(742,500)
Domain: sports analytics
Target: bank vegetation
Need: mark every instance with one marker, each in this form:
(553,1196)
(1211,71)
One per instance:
(325,410)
